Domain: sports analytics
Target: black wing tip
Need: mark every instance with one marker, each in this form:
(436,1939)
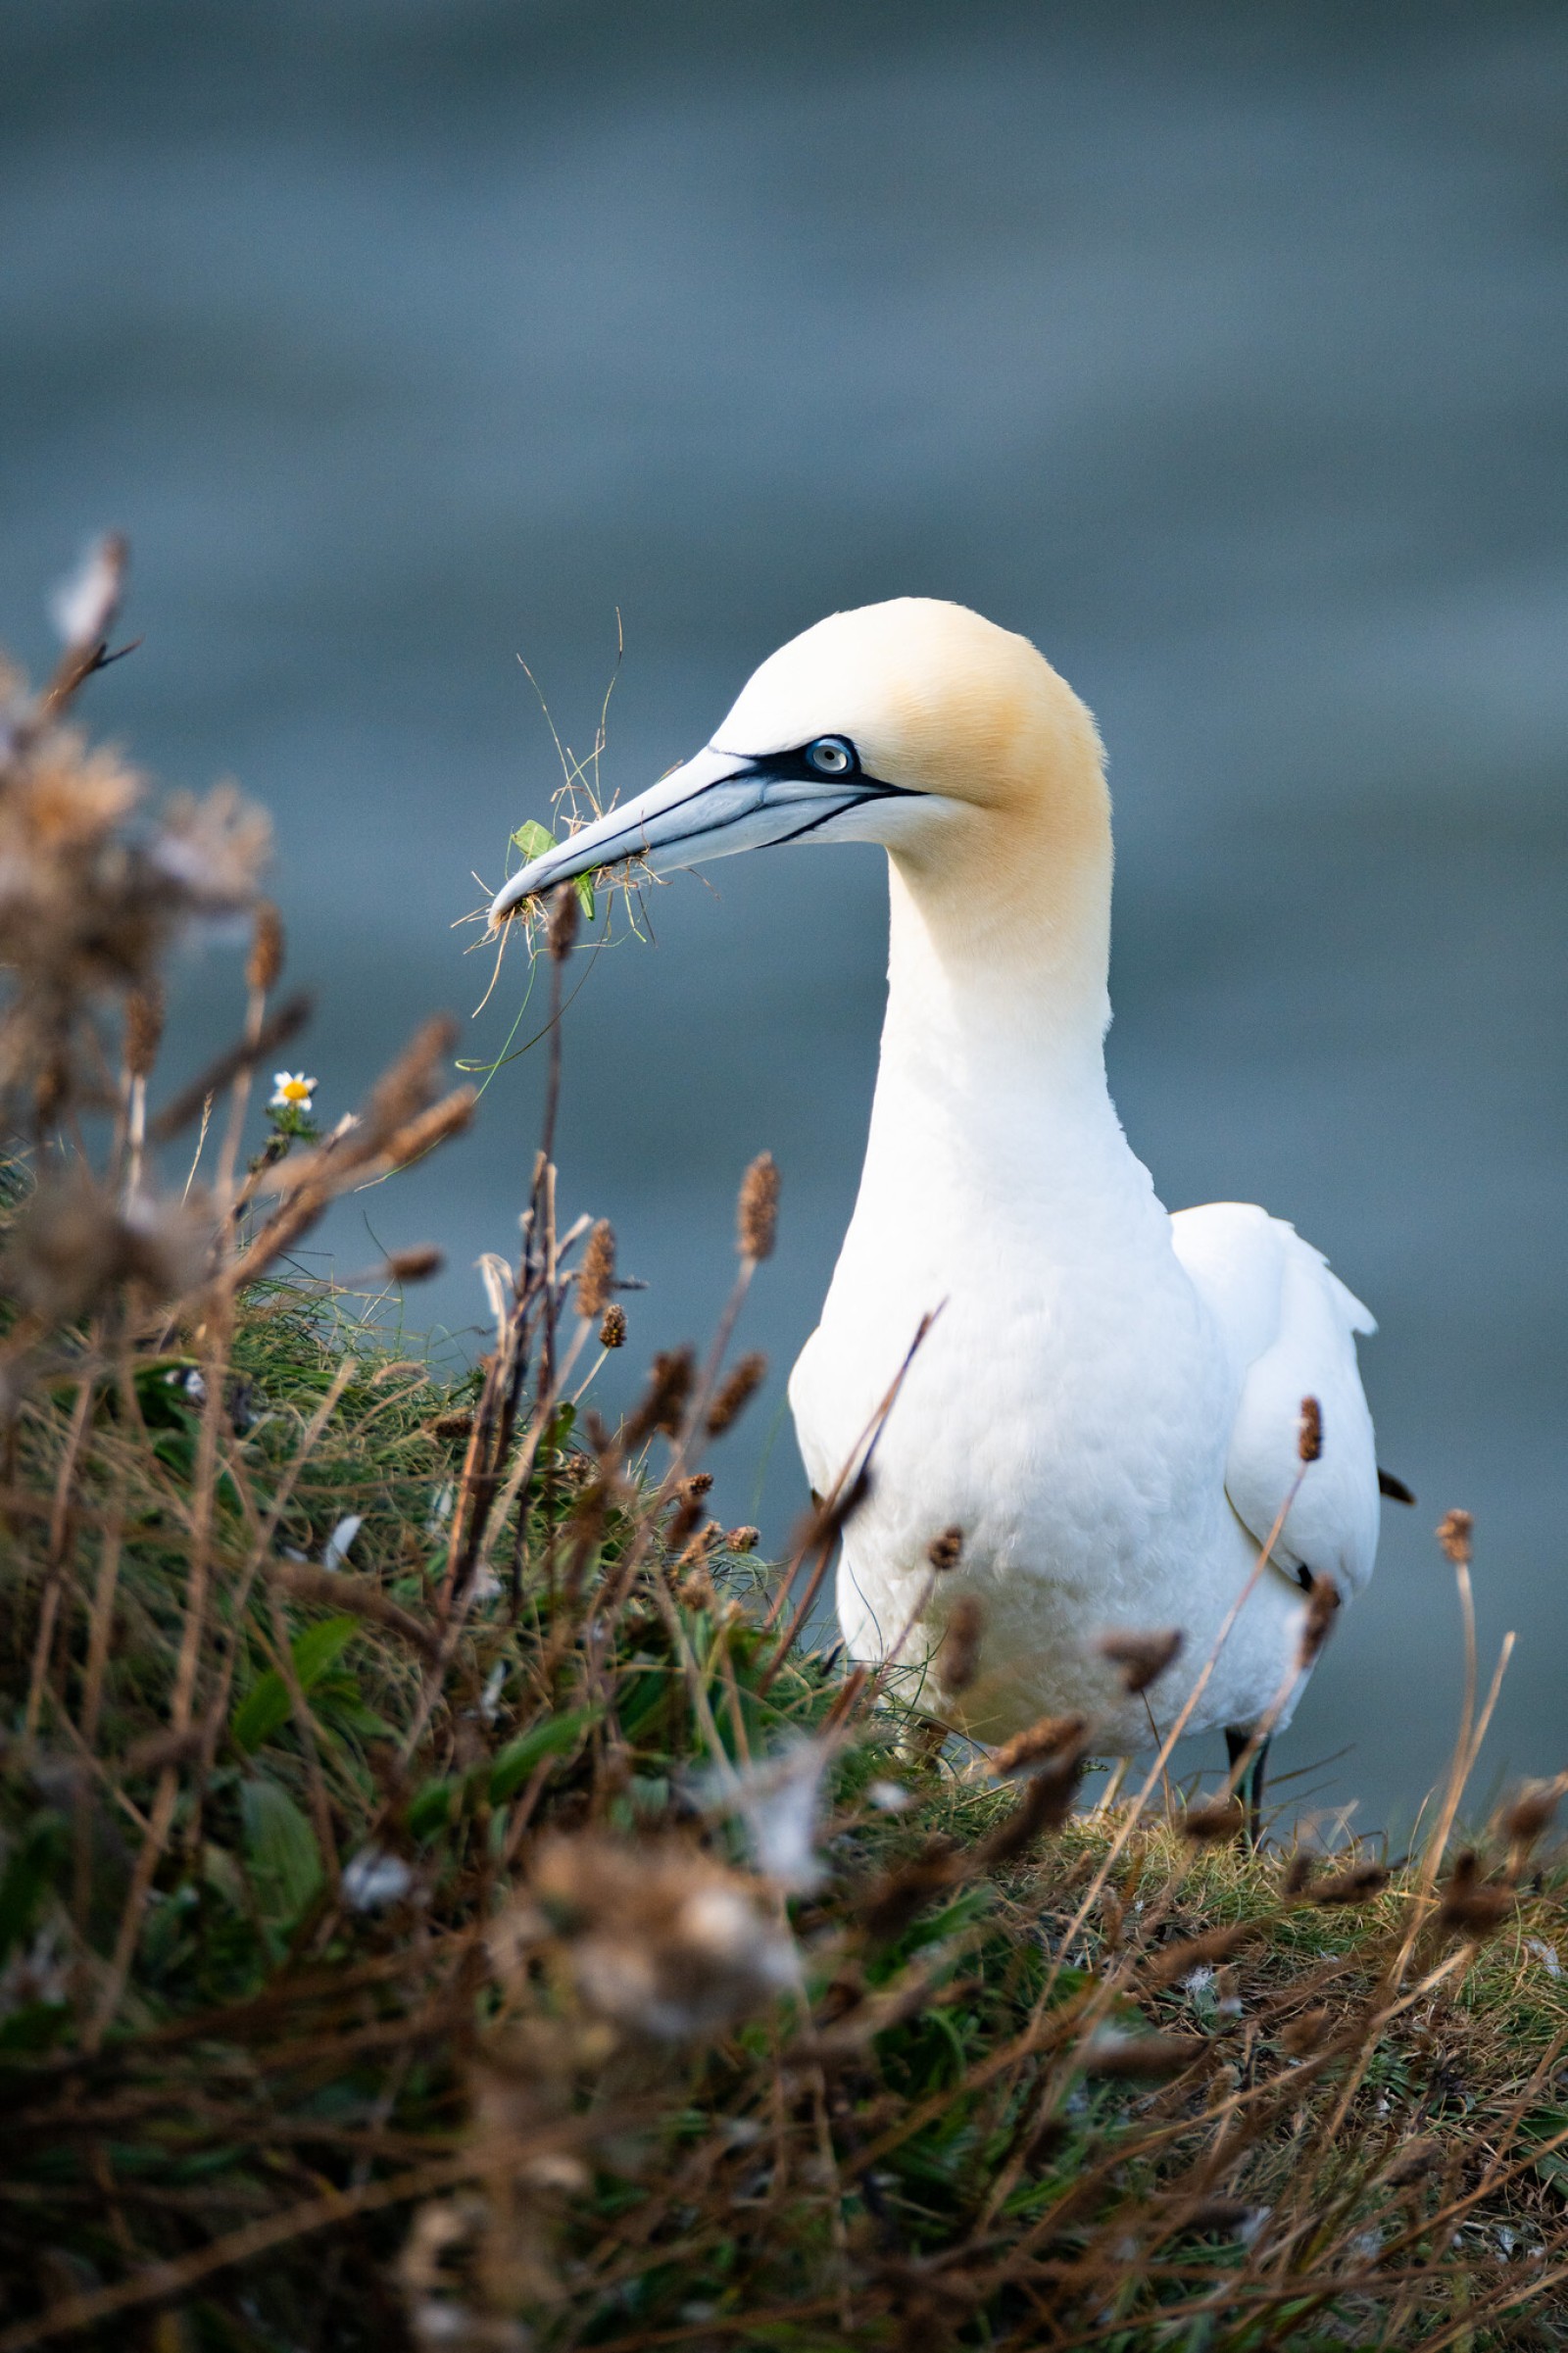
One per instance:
(1394,1489)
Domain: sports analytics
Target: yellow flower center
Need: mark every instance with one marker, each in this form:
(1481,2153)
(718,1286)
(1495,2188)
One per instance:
(295,1090)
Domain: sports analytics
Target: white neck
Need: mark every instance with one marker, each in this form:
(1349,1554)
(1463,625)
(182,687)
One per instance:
(991,1083)
(969,981)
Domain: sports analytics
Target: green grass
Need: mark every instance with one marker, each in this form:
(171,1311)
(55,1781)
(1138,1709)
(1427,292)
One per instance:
(913,2145)
(438,1907)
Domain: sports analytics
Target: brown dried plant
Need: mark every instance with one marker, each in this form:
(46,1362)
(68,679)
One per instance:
(445,1897)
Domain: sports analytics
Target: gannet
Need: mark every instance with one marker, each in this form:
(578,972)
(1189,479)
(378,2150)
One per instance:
(1108,1403)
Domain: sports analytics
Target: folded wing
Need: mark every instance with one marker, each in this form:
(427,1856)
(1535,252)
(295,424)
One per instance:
(1289,1326)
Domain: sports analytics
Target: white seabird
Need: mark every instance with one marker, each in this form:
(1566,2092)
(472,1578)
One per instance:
(1108,1405)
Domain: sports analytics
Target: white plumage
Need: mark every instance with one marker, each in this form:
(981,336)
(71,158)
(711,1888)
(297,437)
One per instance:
(1288,1326)
(1109,1399)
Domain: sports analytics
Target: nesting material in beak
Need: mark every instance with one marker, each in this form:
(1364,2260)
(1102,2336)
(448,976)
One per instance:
(712,805)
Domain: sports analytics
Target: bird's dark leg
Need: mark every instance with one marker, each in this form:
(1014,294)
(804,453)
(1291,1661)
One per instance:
(1236,1744)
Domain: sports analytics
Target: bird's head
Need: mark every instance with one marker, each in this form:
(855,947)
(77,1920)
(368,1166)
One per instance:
(915,723)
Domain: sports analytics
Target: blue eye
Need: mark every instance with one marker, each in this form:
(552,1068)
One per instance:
(831,756)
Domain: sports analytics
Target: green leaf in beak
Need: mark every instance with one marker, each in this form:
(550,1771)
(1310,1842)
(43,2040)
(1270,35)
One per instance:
(532,840)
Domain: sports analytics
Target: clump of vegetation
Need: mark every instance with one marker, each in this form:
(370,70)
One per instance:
(442,1903)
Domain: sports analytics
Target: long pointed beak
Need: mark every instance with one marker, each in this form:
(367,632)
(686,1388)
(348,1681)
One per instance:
(715,805)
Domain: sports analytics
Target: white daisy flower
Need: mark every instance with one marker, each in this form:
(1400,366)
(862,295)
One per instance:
(292,1090)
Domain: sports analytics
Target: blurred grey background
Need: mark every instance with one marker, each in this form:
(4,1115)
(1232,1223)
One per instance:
(1221,349)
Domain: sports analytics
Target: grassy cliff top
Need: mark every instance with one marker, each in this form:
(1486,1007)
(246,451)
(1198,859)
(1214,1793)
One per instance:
(584,1967)
(443,1904)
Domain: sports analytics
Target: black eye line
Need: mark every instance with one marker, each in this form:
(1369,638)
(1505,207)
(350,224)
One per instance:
(792,766)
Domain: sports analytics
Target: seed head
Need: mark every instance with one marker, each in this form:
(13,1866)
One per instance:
(1454,1531)
(688,1508)
(264,965)
(144,1028)
(1150,2056)
(959,1658)
(88,903)
(703,1545)
(945,1552)
(598,1270)
(1218,2214)
(663,1404)
(1322,1604)
(564,911)
(1045,1742)
(824,1523)
(742,1540)
(894,1901)
(1415,2159)
(161,1749)
(613,1328)
(1357,1886)
(1216,1946)
(756,1212)
(72,1246)
(1223,1818)
(1532,1812)
(1471,1907)
(737,1393)
(408,1089)
(1309,1436)
(1141,1657)
(213,850)
(444,1119)
(662,1941)
(688,1512)
(1305,2032)
(1047,1801)
(415,1265)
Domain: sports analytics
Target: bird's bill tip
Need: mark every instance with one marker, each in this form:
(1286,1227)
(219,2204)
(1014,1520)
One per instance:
(511,899)
(541,876)
(629,831)
(710,806)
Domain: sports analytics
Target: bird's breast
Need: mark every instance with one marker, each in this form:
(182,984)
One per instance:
(1067,1412)
(1059,1395)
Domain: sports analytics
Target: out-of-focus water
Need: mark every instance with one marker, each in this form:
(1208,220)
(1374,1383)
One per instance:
(1225,352)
